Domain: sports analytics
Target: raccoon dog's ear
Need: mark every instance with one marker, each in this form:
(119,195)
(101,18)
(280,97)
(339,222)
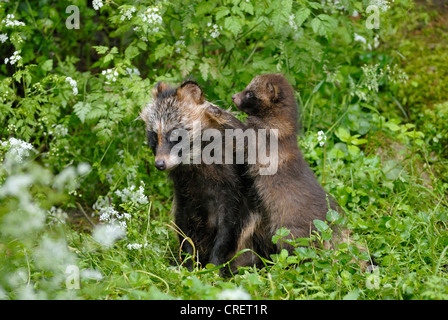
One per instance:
(158,88)
(272,90)
(190,91)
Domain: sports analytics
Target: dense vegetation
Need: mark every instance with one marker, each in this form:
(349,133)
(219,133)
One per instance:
(85,215)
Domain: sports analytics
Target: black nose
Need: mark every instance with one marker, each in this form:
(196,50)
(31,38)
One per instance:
(233,97)
(160,165)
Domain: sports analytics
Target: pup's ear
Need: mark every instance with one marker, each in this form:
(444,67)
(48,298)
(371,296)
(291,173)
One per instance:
(190,91)
(272,91)
(158,88)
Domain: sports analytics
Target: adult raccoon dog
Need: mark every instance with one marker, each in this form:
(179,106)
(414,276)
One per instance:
(292,197)
(210,206)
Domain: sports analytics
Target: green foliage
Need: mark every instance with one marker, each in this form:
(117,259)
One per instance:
(75,161)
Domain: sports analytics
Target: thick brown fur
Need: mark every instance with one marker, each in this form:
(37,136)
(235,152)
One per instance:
(211,205)
(292,197)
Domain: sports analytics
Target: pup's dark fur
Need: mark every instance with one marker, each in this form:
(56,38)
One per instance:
(292,197)
(210,205)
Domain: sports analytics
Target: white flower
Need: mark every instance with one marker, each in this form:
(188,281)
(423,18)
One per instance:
(53,254)
(18,149)
(383,5)
(132,195)
(179,45)
(109,215)
(91,274)
(126,13)
(107,234)
(134,246)
(3,37)
(57,215)
(15,185)
(292,22)
(97,4)
(215,30)
(132,72)
(9,22)
(111,75)
(321,138)
(14,58)
(234,294)
(360,38)
(153,19)
(73,84)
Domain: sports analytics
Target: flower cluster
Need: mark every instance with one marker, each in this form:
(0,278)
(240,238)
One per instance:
(56,215)
(372,76)
(3,37)
(214,30)
(132,72)
(111,75)
(126,13)
(383,5)
(321,138)
(179,45)
(136,246)
(59,130)
(153,19)
(73,84)
(97,4)
(395,75)
(18,149)
(14,58)
(109,215)
(292,23)
(234,294)
(107,234)
(132,195)
(359,38)
(9,22)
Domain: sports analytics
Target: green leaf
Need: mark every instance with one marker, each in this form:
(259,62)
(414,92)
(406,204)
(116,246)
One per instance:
(163,50)
(47,65)
(324,25)
(247,7)
(131,52)
(353,150)
(101,49)
(352,295)
(233,24)
(281,233)
(302,15)
(222,12)
(204,69)
(281,13)
(320,225)
(81,109)
(343,134)
(333,216)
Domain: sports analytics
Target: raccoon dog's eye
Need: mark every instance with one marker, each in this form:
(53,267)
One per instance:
(249,94)
(175,135)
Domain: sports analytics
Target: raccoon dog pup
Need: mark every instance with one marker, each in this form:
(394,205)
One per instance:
(292,197)
(209,202)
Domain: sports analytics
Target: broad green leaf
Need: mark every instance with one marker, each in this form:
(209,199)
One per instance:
(81,109)
(320,225)
(343,134)
(47,65)
(233,24)
(302,15)
(204,68)
(222,12)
